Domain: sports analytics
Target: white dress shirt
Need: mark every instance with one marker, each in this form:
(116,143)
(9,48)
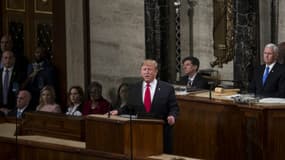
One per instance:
(153,85)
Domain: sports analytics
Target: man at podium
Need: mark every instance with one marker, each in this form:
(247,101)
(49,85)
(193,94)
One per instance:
(153,97)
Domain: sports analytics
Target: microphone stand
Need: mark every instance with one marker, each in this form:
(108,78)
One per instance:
(15,89)
(16,132)
(210,89)
(131,111)
(131,137)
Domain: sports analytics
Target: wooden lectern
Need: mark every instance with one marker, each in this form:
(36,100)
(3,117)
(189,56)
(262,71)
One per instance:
(114,135)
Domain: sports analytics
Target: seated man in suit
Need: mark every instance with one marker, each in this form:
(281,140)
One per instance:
(192,78)
(155,97)
(23,104)
(269,78)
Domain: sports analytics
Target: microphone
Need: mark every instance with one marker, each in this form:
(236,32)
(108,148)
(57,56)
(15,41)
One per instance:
(211,84)
(109,111)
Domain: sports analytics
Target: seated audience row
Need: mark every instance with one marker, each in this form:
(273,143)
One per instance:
(95,103)
(17,75)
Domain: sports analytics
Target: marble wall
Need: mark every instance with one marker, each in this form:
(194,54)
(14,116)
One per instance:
(281,26)
(74,43)
(117,41)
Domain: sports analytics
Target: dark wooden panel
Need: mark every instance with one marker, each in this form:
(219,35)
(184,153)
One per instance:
(275,142)
(30,150)
(114,135)
(54,125)
(59,48)
(44,7)
(217,129)
(13,5)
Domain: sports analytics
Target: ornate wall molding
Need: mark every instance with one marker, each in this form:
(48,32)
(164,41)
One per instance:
(246,46)
(223,32)
(157,33)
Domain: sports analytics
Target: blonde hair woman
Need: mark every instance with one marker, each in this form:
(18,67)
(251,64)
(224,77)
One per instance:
(47,101)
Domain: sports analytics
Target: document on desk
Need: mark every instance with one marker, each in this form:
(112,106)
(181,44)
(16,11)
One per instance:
(181,93)
(272,100)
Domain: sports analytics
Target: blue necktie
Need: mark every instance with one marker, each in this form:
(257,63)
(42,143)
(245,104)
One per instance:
(5,86)
(19,114)
(265,75)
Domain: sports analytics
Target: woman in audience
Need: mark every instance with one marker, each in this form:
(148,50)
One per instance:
(75,99)
(122,96)
(96,103)
(47,101)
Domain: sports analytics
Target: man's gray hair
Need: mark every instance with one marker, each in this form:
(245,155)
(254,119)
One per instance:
(273,47)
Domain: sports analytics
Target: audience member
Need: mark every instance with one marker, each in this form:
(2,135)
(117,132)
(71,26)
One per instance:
(23,104)
(155,97)
(96,103)
(122,96)
(192,78)
(47,101)
(269,78)
(7,45)
(40,73)
(10,82)
(75,99)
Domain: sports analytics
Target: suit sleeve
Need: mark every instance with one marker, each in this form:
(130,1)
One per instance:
(252,84)
(281,85)
(172,104)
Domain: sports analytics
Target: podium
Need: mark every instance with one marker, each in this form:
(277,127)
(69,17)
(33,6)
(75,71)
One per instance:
(114,135)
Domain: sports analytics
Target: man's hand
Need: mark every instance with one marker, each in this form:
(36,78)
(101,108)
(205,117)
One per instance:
(33,74)
(4,110)
(114,112)
(171,120)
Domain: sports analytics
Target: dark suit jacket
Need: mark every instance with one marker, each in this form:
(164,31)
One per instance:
(199,82)
(274,85)
(14,86)
(14,111)
(163,105)
(164,101)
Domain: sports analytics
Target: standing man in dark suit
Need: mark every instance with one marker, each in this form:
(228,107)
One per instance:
(40,73)
(269,78)
(192,78)
(155,97)
(11,81)
(7,45)
(23,104)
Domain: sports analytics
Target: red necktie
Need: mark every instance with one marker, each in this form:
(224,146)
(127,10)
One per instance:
(147,98)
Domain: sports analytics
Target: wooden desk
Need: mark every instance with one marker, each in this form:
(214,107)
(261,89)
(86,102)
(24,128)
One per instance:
(54,125)
(37,147)
(219,129)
